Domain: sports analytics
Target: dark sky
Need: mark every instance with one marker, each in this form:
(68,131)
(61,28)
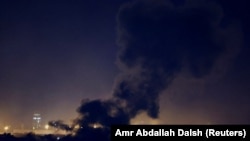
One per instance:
(54,54)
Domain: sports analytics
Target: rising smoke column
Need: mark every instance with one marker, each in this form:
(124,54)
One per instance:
(157,41)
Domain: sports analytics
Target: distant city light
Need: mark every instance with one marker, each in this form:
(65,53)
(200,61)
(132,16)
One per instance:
(96,125)
(6,128)
(77,127)
(36,118)
(46,126)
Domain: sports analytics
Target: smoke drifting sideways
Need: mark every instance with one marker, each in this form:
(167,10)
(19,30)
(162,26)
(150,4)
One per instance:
(157,40)
(60,125)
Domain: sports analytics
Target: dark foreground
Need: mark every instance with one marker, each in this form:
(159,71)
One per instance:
(32,137)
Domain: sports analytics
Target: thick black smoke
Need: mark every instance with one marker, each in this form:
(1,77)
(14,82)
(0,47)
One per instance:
(102,113)
(158,40)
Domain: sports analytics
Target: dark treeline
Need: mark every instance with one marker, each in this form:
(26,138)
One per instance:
(28,137)
(91,135)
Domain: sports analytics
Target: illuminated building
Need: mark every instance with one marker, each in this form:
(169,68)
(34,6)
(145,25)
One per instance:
(36,121)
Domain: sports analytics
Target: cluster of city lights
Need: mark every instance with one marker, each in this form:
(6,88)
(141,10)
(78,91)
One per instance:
(7,128)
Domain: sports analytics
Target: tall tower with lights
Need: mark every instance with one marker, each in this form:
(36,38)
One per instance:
(36,121)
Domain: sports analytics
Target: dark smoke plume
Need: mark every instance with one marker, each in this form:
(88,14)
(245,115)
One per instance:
(158,40)
(105,113)
(60,125)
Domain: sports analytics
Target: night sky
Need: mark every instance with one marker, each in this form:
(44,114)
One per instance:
(177,62)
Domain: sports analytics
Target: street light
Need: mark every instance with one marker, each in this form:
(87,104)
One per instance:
(6,128)
(46,126)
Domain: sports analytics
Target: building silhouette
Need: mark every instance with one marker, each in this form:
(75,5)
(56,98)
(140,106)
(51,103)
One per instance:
(36,121)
